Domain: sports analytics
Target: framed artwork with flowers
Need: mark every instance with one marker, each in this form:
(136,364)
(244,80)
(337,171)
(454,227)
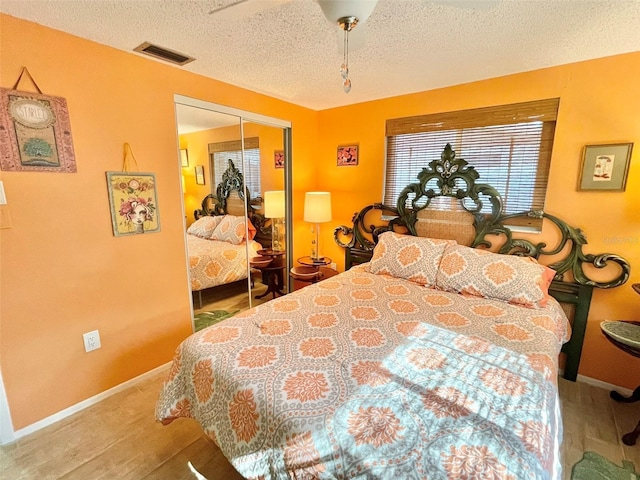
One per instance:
(347,155)
(605,167)
(134,203)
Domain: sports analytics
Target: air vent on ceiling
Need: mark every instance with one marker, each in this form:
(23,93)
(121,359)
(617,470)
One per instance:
(163,53)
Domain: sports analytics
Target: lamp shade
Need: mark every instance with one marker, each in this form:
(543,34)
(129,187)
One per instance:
(274,204)
(317,207)
(336,9)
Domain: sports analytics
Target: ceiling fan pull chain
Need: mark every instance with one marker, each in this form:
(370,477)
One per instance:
(346,85)
(344,69)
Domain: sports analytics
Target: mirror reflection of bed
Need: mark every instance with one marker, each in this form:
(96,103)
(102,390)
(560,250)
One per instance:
(221,244)
(210,135)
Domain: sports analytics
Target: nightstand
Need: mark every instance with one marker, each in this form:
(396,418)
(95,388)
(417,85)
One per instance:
(626,336)
(311,271)
(272,273)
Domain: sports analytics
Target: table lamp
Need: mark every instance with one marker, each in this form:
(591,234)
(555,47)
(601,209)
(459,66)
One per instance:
(317,210)
(274,209)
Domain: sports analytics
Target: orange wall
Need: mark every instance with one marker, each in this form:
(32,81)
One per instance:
(599,103)
(63,271)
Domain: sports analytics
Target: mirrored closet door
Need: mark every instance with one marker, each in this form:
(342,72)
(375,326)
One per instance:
(236,183)
(264,159)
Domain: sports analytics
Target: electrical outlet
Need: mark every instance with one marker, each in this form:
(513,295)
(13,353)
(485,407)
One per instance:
(91,340)
(333,266)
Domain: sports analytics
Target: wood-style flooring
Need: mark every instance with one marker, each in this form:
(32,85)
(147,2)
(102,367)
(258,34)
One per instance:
(119,439)
(232,297)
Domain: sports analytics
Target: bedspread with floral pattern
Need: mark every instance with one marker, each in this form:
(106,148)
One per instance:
(214,262)
(371,376)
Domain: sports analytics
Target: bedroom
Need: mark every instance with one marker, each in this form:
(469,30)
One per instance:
(78,277)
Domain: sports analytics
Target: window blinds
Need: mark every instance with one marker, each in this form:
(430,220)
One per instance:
(509,145)
(221,152)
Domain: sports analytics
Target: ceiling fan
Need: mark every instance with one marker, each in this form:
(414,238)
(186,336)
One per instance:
(345,13)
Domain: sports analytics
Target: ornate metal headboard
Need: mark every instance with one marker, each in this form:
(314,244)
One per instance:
(230,198)
(452,178)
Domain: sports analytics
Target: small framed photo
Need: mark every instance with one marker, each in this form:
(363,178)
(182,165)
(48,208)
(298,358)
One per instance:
(199,175)
(278,158)
(605,167)
(184,157)
(347,155)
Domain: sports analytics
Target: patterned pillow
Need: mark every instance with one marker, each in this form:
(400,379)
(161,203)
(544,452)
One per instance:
(231,229)
(405,256)
(204,227)
(517,280)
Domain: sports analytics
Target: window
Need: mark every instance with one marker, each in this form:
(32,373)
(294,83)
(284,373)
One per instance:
(509,146)
(221,152)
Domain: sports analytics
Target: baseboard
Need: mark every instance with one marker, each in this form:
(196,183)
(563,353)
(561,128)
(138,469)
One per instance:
(56,417)
(7,434)
(598,383)
(605,385)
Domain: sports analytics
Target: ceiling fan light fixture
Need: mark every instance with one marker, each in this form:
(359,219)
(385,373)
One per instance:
(334,10)
(347,14)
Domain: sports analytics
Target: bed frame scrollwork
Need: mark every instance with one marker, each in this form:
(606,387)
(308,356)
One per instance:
(454,178)
(233,181)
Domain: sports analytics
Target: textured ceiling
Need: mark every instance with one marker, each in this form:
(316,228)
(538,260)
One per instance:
(287,48)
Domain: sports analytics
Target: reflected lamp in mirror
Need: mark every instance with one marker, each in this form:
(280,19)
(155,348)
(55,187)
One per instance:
(274,209)
(317,210)
(184,157)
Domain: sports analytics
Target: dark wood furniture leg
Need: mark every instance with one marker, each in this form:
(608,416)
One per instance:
(274,281)
(631,437)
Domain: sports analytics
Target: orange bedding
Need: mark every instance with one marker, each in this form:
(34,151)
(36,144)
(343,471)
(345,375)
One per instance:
(373,376)
(214,262)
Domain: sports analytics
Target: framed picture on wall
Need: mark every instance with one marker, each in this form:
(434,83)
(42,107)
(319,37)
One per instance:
(605,167)
(278,158)
(184,157)
(347,155)
(35,133)
(134,203)
(199,175)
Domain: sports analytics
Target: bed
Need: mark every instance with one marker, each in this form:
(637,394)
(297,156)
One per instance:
(217,262)
(428,358)
(217,240)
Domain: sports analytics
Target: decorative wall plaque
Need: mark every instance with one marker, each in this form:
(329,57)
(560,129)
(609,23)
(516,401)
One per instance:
(35,132)
(134,203)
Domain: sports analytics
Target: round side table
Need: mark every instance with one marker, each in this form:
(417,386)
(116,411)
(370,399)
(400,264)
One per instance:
(273,273)
(626,336)
(311,270)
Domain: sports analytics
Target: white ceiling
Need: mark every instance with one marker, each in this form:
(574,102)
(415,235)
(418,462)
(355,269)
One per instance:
(287,48)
